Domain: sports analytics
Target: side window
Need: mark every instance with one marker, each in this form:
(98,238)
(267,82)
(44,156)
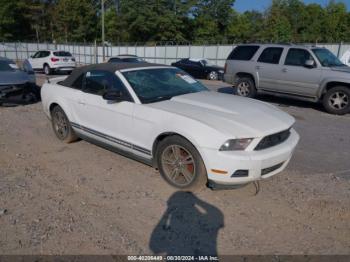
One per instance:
(244,53)
(193,63)
(271,55)
(36,55)
(97,82)
(45,54)
(297,57)
(78,83)
(114,60)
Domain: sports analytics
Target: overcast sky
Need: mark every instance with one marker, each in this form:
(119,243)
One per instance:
(244,5)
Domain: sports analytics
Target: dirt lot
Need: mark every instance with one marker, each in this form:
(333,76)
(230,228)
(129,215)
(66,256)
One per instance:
(82,199)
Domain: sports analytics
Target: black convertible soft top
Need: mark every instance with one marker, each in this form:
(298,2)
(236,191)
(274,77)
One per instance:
(111,67)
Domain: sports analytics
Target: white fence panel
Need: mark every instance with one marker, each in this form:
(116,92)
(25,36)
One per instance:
(88,53)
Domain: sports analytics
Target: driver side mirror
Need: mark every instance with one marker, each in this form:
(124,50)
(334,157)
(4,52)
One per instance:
(113,95)
(32,56)
(309,63)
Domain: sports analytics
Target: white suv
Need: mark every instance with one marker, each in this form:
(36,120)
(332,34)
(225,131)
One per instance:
(50,61)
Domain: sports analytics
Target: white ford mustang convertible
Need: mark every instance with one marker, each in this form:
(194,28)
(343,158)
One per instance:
(163,117)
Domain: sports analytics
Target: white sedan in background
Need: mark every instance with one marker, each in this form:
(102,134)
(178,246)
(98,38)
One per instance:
(163,117)
(51,61)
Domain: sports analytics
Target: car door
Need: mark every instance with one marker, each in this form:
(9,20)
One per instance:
(267,65)
(295,77)
(194,68)
(106,121)
(34,60)
(185,65)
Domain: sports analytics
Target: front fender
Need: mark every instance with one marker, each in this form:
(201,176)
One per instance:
(56,94)
(326,81)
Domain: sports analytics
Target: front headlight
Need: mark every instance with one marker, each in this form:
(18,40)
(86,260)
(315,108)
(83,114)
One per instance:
(236,144)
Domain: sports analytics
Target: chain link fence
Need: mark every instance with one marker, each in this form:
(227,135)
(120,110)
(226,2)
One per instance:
(163,53)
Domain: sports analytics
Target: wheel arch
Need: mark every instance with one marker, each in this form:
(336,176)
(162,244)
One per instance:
(52,105)
(55,103)
(244,74)
(164,135)
(330,84)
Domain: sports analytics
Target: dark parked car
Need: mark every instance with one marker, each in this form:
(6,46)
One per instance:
(125,59)
(17,86)
(200,68)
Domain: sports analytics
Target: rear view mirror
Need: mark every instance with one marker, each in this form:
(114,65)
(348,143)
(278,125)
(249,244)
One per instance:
(309,63)
(113,95)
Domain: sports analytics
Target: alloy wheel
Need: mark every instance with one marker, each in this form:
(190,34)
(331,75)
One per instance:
(213,75)
(339,100)
(178,165)
(60,124)
(243,89)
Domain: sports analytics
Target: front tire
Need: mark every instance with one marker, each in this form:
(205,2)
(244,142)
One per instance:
(245,87)
(180,164)
(337,100)
(213,75)
(61,125)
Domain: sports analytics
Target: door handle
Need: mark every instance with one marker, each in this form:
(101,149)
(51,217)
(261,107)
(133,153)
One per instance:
(81,103)
(284,70)
(257,67)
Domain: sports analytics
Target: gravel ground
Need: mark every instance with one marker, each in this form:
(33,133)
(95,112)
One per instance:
(82,199)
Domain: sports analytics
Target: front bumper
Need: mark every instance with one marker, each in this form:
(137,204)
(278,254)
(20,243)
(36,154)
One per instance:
(242,167)
(19,93)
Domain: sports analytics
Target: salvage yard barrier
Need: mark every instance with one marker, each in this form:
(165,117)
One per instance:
(158,52)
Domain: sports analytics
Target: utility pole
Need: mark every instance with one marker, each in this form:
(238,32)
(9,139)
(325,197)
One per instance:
(103,28)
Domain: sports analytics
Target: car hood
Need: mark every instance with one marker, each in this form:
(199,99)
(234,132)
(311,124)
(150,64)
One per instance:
(232,115)
(344,69)
(13,78)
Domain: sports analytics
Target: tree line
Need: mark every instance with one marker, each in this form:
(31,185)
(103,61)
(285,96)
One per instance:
(195,21)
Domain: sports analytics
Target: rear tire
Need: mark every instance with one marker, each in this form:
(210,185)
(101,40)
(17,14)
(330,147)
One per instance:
(61,126)
(245,87)
(47,69)
(337,100)
(180,164)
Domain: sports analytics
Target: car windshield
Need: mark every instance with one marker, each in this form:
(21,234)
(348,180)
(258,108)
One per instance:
(326,57)
(7,65)
(62,53)
(206,62)
(126,60)
(154,85)
(132,60)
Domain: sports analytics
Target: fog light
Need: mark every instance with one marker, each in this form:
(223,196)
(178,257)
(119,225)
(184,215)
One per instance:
(240,173)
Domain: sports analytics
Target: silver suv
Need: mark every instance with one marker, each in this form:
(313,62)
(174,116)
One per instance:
(300,72)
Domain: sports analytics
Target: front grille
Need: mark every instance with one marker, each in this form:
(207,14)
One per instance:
(268,170)
(273,140)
